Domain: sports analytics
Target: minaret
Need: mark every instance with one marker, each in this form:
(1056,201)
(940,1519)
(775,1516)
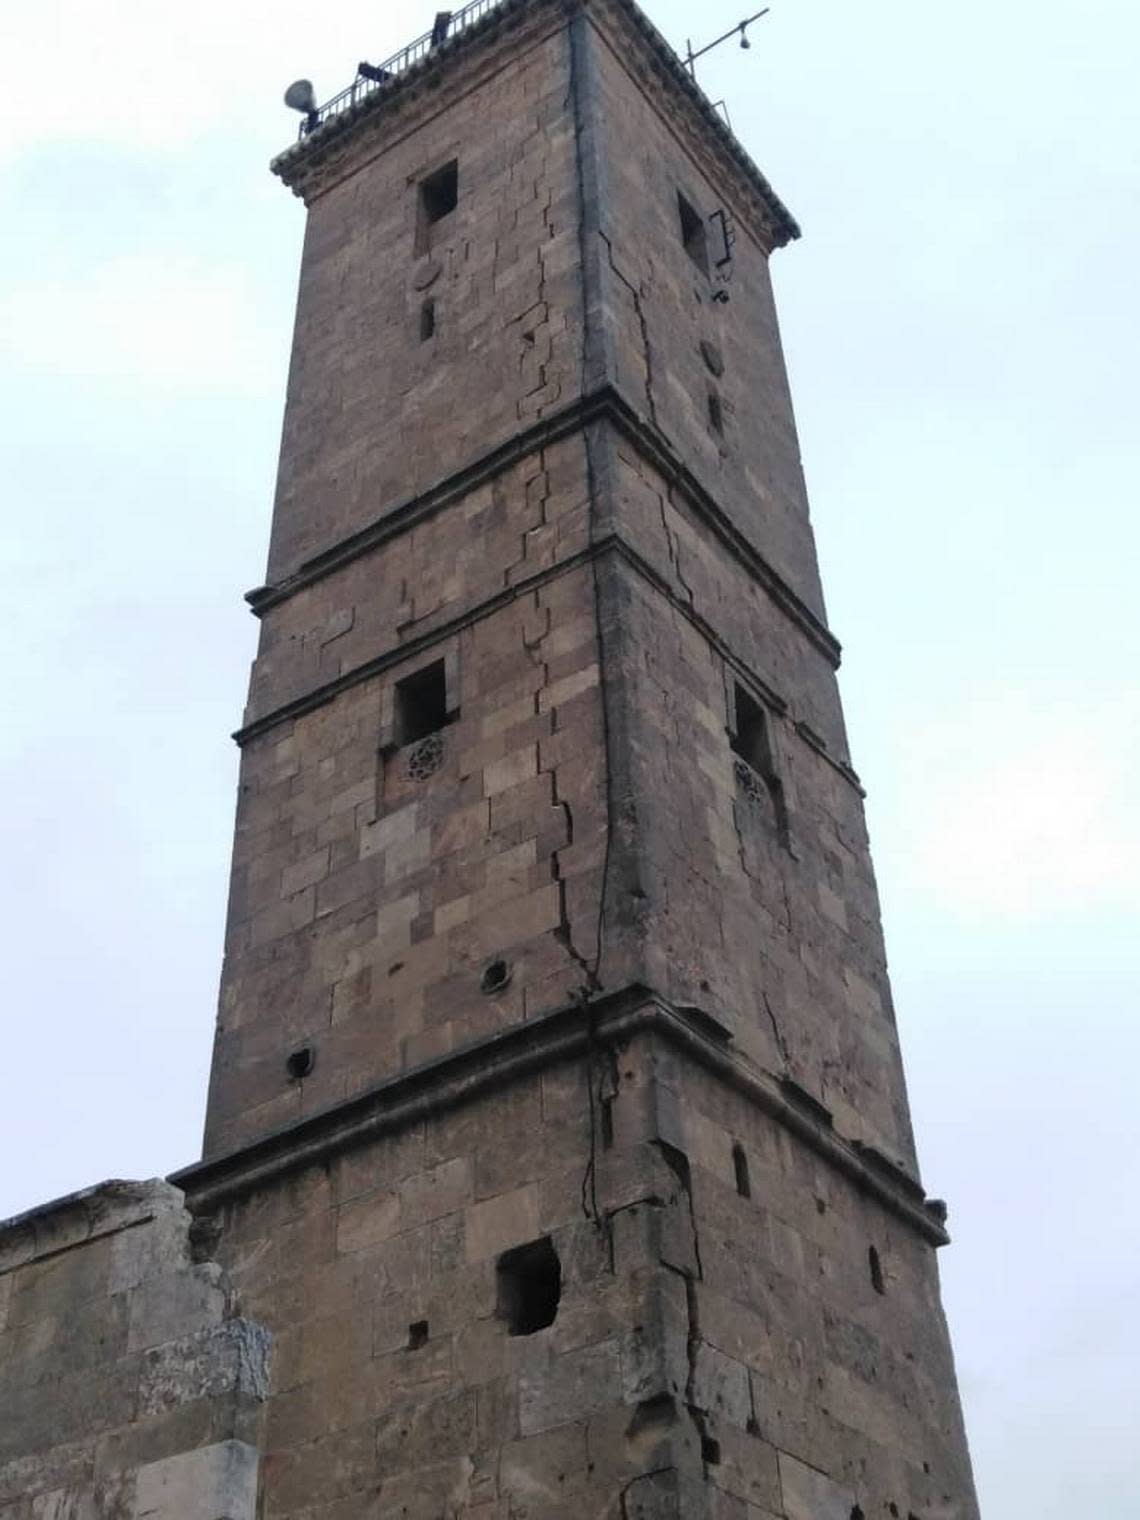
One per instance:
(557,1128)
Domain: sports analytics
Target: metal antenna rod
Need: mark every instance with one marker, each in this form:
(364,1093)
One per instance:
(741,27)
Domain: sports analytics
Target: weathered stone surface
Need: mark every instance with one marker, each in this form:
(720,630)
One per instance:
(212,1483)
(125,1380)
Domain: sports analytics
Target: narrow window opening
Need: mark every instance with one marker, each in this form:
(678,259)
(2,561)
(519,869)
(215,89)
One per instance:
(299,1063)
(751,741)
(607,1123)
(710,1450)
(856,1513)
(439,196)
(529,1286)
(752,744)
(876,1266)
(421,704)
(694,234)
(740,1165)
(427,321)
(417,1334)
(716,414)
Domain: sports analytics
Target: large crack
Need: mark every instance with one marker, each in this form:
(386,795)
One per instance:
(678,1164)
(647,347)
(781,1043)
(674,548)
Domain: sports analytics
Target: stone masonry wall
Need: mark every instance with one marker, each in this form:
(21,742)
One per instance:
(128,1385)
(375,413)
(764,914)
(720,1348)
(674,345)
(365,902)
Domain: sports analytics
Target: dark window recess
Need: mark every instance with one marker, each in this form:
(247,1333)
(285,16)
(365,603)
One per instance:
(607,1123)
(710,1450)
(876,1266)
(299,1063)
(427,321)
(529,1286)
(716,414)
(417,1334)
(439,196)
(740,1165)
(694,233)
(421,704)
(752,744)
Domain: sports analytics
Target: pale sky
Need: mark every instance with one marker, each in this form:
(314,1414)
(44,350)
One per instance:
(961,323)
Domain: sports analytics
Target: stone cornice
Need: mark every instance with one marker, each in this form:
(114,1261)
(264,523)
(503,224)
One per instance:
(340,145)
(441,632)
(486,1066)
(661,76)
(344,143)
(77,1218)
(604,403)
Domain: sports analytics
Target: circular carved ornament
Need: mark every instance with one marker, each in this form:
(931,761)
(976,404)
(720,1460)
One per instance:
(425,758)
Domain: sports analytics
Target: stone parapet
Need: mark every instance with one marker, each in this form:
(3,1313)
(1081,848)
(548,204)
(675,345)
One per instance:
(130,1386)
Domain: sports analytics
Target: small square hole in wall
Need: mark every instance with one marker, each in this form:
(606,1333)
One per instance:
(529,1286)
(694,233)
(439,196)
(421,704)
(417,1335)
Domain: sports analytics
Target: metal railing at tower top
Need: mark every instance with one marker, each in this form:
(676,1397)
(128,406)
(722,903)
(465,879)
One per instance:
(448,24)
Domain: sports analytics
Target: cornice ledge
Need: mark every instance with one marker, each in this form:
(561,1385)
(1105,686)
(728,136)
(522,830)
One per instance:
(772,219)
(564,1032)
(309,165)
(78,1218)
(606,402)
(320,158)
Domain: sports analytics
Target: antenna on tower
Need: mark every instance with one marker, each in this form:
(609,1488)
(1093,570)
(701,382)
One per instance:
(740,28)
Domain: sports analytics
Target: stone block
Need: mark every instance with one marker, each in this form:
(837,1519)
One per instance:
(169,1308)
(809,1494)
(571,1387)
(214,1483)
(497,1224)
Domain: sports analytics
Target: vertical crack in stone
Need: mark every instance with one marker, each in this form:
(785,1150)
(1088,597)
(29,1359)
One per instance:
(781,1043)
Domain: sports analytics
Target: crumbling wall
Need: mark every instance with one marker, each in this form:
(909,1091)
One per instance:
(129,1385)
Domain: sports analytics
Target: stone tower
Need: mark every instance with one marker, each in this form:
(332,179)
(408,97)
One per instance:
(557,1130)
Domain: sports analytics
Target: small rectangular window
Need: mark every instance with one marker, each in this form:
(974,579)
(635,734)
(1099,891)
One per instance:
(694,234)
(439,196)
(421,704)
(427,321)
(716,414)
(750,741)
(756,770)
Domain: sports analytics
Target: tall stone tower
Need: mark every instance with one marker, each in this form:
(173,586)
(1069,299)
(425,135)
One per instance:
(557,1129)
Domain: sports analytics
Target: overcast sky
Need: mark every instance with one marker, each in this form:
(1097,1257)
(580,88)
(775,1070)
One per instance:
(961,327)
